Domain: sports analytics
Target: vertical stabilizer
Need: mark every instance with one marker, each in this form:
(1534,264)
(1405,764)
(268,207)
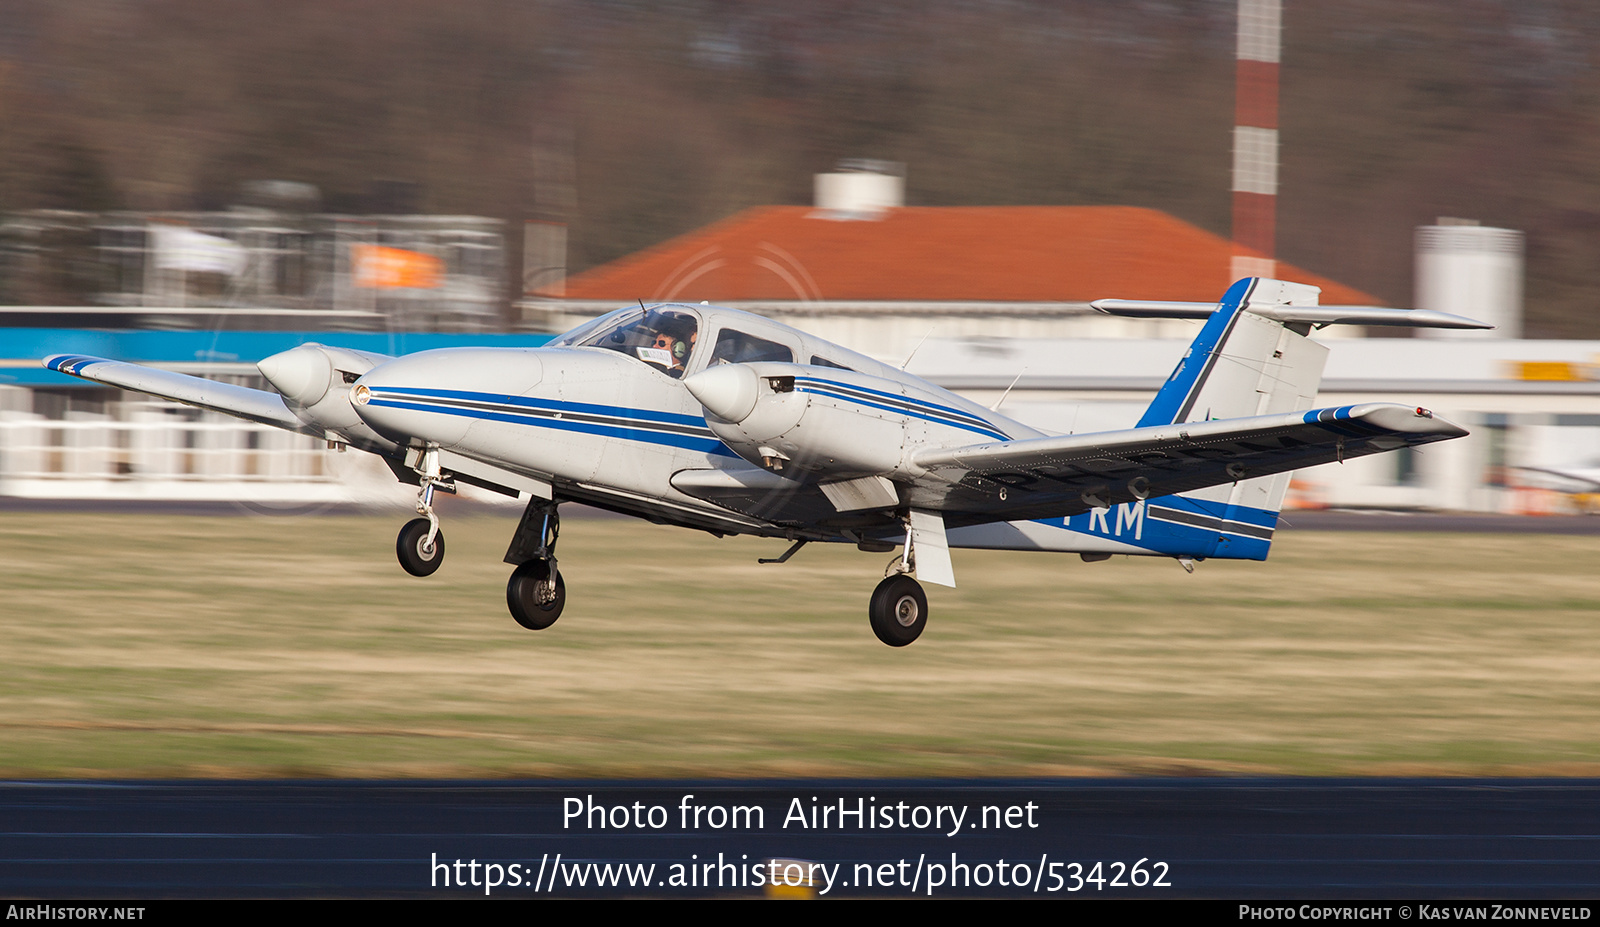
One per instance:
(1244,364)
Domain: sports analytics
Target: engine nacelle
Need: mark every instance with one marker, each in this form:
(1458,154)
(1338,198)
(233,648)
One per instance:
(803,421)
(315,382)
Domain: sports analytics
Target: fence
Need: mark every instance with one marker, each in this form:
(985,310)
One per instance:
(161,458)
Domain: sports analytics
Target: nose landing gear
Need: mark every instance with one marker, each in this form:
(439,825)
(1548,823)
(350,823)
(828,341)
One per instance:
(420,546)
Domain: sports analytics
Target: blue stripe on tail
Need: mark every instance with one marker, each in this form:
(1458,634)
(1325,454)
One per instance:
(1177,395)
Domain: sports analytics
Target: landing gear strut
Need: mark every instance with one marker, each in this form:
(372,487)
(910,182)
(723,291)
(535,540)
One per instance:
(420,545)
(536,593)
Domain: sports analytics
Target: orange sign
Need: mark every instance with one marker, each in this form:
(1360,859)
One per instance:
(390,268)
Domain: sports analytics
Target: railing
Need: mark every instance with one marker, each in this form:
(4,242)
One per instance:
(162,458)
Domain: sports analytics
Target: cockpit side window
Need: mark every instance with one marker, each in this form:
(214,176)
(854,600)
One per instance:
(817,360)
(736,347)
(664,339)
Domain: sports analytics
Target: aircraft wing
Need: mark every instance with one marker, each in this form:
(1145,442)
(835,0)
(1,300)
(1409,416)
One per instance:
(1069,474)
(1589,478)
(255,405)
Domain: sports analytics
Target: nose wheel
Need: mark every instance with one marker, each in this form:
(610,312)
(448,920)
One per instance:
(420,547)
(899,610)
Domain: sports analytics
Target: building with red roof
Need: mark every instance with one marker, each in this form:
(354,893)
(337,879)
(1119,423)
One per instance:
(863,270)
(937,254)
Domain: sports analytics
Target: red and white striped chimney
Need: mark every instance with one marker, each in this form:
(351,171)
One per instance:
(1255,139)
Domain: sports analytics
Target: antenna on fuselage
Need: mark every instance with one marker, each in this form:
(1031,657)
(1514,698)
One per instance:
(914,350)
(996,406)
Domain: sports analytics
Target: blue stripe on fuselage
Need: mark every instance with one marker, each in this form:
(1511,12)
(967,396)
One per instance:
(897,397)
(708,445)
(1241,513)
(1135,524)
(558,405)
(916,408)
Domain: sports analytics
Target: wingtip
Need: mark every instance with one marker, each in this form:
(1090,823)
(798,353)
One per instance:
(68,363)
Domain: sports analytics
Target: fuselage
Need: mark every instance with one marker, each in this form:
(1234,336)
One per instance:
(611,422)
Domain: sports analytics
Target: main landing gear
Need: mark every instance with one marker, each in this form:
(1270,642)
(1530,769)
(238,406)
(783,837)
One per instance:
(536,593)
(899,607)
(899,610)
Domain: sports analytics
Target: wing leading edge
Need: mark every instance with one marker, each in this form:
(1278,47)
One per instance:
(251,404)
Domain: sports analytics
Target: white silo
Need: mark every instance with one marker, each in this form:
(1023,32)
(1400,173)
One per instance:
(861,188)
(1472,270)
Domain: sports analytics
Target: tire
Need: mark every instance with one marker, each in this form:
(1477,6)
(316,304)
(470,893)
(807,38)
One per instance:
(899,610)
(408,547)
(522,596)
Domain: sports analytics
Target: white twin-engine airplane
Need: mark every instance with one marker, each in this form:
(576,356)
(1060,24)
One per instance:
(731,423)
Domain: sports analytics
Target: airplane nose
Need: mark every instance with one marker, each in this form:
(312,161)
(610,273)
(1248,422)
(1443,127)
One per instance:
(301,374)
(381,398)
(727,391)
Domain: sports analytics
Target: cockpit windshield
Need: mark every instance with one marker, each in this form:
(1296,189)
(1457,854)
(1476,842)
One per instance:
(662,338)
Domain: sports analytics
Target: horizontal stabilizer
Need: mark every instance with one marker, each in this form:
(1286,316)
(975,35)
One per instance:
(1307,315)
(1153,308)
(253,405)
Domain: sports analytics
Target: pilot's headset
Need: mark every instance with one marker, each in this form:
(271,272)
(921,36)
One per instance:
(679,332)
(680,348)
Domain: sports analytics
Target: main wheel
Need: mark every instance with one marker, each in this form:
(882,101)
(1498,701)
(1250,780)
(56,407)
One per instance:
(416,555)
(532,601)
(899,610)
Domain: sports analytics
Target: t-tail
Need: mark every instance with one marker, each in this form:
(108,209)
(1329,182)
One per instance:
(1253,357)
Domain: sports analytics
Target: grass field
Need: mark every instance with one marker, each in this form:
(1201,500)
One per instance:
(138,645)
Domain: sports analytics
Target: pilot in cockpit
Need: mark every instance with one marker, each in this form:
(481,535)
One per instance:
(675,338)
(664,340)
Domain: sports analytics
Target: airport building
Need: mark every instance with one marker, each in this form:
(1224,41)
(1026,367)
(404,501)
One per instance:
(992,302)
(276,267)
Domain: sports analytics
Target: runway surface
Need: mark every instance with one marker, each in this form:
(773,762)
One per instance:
(1460,522)
(1401,840)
